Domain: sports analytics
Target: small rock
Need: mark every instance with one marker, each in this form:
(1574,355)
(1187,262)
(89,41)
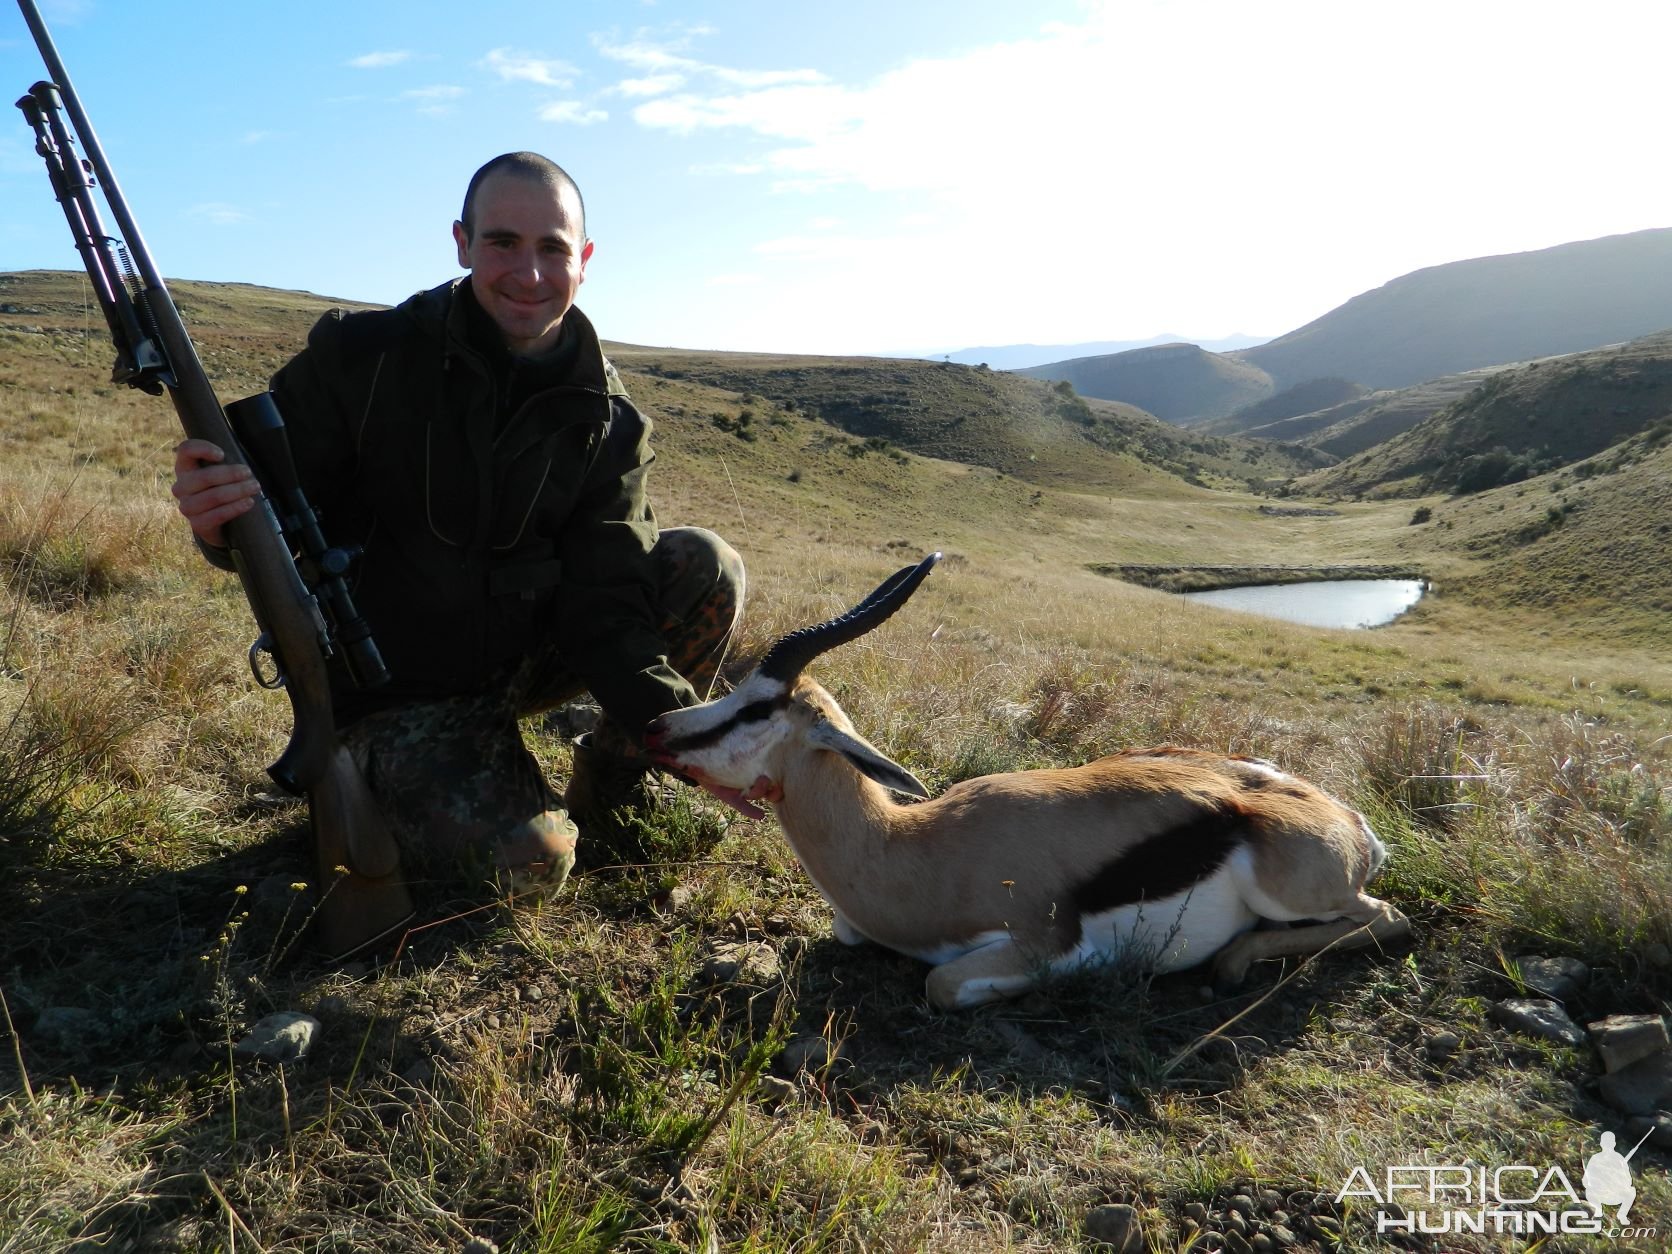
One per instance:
(1117,1227)
(1281,1236)
(332,1006)
(1543,1019)
(1237,1243)
(1443,1045)
(1235,1223)
(754,963)
(1658,955)
(811,1054)
(1623,1039)
(283,1037)
(492,1021)
(1642,1088)
(67,1027)
(675,901)
(419,1071)
(1262,1243)
(1658,1128)
(534,993)
(1560,978)
(1196,1211)
(1241,1204)
(773,1090)
(479,1245)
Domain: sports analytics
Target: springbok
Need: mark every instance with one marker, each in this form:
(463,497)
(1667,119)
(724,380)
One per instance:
(1170,855)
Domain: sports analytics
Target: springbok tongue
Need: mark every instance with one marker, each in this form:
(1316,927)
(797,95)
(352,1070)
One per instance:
(736,800)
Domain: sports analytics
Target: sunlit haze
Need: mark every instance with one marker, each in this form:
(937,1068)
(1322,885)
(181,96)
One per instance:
(870,176)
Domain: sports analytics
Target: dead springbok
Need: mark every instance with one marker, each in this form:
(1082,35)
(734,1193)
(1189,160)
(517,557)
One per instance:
(1170,854)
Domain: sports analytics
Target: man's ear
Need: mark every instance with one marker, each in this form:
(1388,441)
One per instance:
(586,256)
(463,241)
(867,759)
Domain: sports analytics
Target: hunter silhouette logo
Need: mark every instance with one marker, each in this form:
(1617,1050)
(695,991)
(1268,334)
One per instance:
(1607,1177)
(1521,1200)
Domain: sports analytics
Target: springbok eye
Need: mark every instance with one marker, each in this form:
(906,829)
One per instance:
(756,712)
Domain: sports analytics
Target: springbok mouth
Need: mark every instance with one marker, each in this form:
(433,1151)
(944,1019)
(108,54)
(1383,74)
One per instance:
(734,797)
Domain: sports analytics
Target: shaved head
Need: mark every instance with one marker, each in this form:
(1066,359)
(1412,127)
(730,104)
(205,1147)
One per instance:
(523,165)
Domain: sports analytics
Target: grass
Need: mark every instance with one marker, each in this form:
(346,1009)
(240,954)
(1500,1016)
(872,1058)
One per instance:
(570,1077)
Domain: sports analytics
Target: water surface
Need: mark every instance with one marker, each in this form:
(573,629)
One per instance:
(1323,602)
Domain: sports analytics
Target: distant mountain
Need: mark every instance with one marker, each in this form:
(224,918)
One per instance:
(1519,422)
(1483,312)
(1020,356)
(1178,382)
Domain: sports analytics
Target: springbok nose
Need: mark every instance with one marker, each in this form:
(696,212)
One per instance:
(655,733)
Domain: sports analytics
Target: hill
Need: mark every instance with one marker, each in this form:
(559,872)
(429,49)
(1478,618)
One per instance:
(1303,398)
(1482,312)
(1367,420)
(1519,422)
(1177,382)
(1003,421)
(1018,356)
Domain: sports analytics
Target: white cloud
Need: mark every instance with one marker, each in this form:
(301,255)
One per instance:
(513,66)
(651,85)
(380,60)
(574,112)
(1182,159)
(219,213)
(662,57)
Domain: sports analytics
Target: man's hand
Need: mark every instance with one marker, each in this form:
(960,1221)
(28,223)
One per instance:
(208,491)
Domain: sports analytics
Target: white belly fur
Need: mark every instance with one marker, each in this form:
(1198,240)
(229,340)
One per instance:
(1169,934)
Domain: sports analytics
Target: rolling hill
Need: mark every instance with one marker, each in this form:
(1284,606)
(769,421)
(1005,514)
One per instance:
(1483,312)
(1178,382)
(1519,422)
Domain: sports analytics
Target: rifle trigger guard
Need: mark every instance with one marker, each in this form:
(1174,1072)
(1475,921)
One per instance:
(263,646)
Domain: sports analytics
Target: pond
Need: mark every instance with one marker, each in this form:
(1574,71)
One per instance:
(1324,602)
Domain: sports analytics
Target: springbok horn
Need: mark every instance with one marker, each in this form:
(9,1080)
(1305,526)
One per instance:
(789,657)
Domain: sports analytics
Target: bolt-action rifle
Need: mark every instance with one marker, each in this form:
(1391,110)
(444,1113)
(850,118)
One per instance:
(292,577)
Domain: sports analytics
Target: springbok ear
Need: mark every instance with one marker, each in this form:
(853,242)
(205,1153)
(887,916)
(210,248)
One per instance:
(867,760)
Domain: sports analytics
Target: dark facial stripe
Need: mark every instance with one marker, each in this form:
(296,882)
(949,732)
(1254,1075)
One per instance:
(1166,864)
(754,712)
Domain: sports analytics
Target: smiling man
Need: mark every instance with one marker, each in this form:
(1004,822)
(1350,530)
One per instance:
(475,443)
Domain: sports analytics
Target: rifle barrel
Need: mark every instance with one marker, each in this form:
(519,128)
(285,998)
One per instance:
(126,226)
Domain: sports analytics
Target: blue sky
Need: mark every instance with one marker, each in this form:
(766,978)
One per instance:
(869,176)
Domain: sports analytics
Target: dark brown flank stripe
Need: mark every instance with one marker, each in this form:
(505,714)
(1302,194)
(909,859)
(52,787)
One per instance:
(1165,864)
(754,712)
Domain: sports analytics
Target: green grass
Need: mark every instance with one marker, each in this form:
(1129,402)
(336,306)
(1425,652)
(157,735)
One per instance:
(566,1077)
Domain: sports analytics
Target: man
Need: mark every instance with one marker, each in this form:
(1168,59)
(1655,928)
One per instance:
(477,445)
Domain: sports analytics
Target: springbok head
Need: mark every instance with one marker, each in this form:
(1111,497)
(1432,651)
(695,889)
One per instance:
(736,746)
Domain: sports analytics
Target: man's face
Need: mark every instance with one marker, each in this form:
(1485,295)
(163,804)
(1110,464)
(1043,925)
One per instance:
(526,260)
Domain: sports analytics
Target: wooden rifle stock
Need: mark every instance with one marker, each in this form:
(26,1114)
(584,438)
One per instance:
(154,352)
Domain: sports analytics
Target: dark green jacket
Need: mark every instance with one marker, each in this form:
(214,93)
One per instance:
(501,503)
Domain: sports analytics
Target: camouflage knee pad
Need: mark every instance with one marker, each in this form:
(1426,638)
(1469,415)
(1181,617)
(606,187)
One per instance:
(465,797)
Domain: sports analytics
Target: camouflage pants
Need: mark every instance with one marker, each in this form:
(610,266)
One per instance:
(455,778)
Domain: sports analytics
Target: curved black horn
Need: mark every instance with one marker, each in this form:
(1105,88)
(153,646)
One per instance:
(789,657)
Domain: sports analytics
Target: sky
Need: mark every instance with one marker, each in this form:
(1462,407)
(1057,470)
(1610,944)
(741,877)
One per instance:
(870,176)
